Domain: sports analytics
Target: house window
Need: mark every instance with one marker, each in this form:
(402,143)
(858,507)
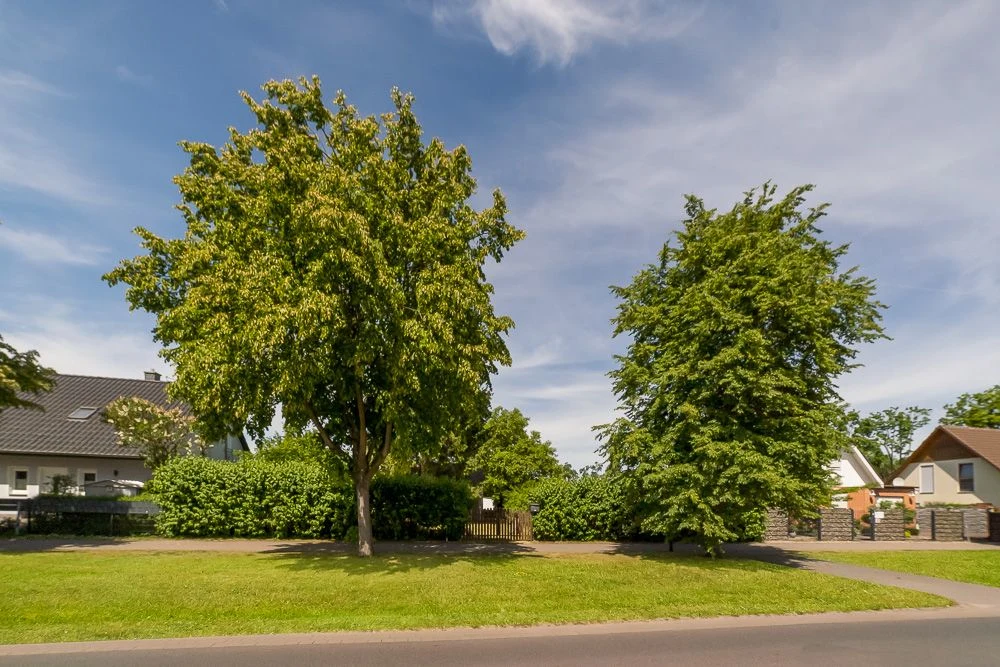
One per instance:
(927,478)
(19,482)
(966,479)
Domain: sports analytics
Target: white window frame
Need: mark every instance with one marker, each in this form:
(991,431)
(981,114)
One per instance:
(13,477)
(921,478)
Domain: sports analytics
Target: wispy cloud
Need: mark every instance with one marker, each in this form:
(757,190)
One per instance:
(557,30)
(221,5)
(30,158)
(25,82)
(44,248)
(126,75)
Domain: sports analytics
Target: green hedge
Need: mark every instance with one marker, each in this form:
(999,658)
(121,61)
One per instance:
(588,508)
(258,498)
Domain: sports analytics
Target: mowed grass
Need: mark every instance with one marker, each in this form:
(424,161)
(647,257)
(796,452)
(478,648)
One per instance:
(974,567)
(49,597)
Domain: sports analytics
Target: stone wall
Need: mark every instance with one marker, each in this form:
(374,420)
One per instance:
(836,524)
(977,525)
(892,526)
(948,525)
(994,521)
(777,526)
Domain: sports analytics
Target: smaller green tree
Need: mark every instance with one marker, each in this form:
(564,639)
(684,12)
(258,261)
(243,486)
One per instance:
(511,457)
(980,409)
(886,437)
(159,433)
(304,447)
(21,375)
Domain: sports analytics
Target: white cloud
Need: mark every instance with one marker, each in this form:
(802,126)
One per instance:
(48,249)
(221,5)
(126,75)
(70,342)
(557,30)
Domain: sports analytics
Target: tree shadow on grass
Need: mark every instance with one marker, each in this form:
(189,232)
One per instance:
(393,557)
(27,544)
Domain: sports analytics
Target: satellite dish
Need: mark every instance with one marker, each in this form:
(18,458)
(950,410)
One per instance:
(899,481)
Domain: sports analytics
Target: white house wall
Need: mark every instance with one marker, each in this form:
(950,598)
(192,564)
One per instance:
(104,468)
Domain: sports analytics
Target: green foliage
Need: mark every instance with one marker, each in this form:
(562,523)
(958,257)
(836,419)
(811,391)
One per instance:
(412,507)
(510,457)
(980,409)
(259,498)
(739,333)
(886,437)
(589,508)
(332,265)
(159,433)
(62,485)
(20,377)
(297,447)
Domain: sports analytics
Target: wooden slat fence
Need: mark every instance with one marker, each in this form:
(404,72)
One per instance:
(497,525)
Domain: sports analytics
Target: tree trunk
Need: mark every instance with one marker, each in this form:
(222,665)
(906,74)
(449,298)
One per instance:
(362,488)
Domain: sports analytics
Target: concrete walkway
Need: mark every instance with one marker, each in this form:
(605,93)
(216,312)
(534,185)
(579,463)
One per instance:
(984,598)
(32,544)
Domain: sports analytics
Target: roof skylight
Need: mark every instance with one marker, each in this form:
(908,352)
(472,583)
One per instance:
(82,413)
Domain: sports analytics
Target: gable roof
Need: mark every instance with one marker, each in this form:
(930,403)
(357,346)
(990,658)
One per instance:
(861,465)
(51,431)
(981,442)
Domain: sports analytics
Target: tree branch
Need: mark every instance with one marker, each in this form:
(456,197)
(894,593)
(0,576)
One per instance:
(383,451)
(324,436)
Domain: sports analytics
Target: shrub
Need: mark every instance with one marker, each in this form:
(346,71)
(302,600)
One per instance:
(589,508)
(256,497)
(411,507)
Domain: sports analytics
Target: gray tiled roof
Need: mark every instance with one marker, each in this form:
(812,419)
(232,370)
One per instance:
(52,432)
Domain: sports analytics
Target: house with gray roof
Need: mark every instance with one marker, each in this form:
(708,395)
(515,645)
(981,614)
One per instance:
(69,438)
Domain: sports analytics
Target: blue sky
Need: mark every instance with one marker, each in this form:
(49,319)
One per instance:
(594,116)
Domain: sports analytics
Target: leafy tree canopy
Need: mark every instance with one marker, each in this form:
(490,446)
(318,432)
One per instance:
(738,333)
(20,377)
(512,457)
(332,264)
(159,433)
(886,437)
(980,409)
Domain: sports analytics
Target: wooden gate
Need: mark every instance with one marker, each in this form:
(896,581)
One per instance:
(497,525)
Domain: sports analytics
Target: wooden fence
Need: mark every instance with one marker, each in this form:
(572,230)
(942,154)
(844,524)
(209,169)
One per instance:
(497,525)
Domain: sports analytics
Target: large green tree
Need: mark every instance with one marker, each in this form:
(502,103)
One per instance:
(886,437)
(738,334)
(332,264)
(980,409)
(21,376)
(511,457)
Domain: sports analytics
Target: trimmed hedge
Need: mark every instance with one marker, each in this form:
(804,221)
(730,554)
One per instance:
(201,497)
(588,508)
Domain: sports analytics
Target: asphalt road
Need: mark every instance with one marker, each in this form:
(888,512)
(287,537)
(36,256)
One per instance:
(953,642)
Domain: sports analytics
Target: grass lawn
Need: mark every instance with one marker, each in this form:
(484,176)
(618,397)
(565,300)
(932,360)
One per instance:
(974,567)
(48,597)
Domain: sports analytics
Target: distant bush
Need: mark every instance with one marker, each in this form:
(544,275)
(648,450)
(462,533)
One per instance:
(256,497)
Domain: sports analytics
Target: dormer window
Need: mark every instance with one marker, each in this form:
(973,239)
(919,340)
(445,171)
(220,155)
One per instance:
(82,413)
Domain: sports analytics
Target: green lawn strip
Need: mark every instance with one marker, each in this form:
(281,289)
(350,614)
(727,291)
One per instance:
(49,597)
(974,567)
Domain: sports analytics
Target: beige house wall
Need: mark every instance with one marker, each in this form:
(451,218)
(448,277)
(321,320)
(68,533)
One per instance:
(986,479)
